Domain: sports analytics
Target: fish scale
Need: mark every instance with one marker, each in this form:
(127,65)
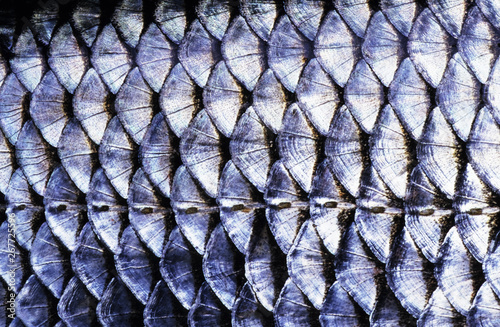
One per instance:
(251,163)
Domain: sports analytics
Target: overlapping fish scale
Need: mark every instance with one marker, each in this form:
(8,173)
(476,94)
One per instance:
(77,306)
(358,271)
(90,262)
(216,15)
(207,310)
(428,216)
(377,215)
(195,212)
(85,19)
(482,148)
(308,257)
(476,44)
(384,47)
(91,106)
(339,309)
(364,95)
(134,105)
(247,311)
(379,185)
(439,153)
(118,306)
(18,261)
(485,308)
(240,204)
(223,98)
(265,265)
(117,154)
(344,150)
(410,98)
(244,53)
(65,208)
(13,108)
(223,267)
(286,208)
(158,155)
(128,20)
(44,20)
(337,47)
(199,52)
(459,96)
(440,311)
(78,154)
(451,14)
(110,59)
(179,100)
(67,58)
(202,152)
(252,149)
(261,15)
(270,100)
(135,265)
(104,205)
(317,96)
(148,215)
(163,309)
(288,52)
(171,18)
(28,63)
(156,56)
(330,207)
(356,13)
(388,311)
(293,308)
(409,274)
(181,268)
(47,108)
(476,210)
(390,152)
(298,144)
(430,47)
(35,157)
(457,273)
(50,261)
(306,15)
(401,13)
(35,304)
(22,202)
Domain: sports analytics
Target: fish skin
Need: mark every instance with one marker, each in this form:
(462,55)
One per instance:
(218,162)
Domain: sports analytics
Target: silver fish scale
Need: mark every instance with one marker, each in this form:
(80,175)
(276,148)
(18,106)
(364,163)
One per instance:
(251,163)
